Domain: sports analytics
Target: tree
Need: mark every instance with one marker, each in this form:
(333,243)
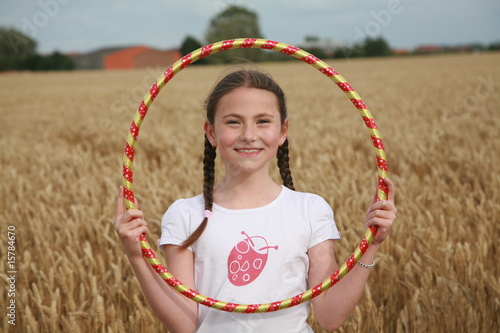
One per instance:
(234,22)
(311,39)
(18,52)
(189,45)
(494,46)
(370,47)
(376,47)
(53,62)
(15,49)
(58,62)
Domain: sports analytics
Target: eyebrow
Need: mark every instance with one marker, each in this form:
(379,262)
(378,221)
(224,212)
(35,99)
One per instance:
(235,115)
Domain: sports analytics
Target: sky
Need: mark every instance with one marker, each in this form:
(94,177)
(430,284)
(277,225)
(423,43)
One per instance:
(86,25)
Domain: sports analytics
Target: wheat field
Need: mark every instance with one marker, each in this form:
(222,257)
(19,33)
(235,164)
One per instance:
(62,137)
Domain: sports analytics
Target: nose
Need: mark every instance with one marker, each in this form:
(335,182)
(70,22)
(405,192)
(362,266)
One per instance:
(248,133)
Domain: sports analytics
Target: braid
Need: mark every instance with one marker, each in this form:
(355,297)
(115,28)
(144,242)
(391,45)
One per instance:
(208,189)
(284,166)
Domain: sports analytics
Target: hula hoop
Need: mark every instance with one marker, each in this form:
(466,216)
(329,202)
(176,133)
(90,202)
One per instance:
(130,151)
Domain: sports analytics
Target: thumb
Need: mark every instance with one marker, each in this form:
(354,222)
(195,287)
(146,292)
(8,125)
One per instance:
(375,196)
(390,189)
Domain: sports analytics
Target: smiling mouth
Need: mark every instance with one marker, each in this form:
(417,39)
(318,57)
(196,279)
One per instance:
(248,150)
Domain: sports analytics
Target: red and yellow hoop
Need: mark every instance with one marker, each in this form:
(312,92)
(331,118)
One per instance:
(132,141)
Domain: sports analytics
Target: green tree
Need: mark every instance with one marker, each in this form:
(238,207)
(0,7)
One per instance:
(34,62)
(311,38)
(376,47)
(189,45)
(235,22)
(54,62)
(370,47)
(15,49)
(494,46)
(57,62)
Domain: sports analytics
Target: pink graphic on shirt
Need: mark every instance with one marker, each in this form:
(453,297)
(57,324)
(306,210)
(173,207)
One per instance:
(247,259)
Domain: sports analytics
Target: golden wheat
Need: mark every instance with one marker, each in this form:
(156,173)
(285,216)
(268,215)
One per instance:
(62,137)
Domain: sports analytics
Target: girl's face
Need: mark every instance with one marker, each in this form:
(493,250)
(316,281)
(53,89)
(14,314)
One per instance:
(247,130)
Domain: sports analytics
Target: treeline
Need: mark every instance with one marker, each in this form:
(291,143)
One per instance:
(18,52)
(370,47)
(238,21)
(53,62)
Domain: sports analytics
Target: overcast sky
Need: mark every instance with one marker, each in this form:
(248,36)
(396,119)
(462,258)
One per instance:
(85,25)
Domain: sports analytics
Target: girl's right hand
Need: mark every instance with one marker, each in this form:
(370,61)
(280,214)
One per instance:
(129,225)
(382,214)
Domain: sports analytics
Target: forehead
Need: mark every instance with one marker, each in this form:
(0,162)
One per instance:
(247,101)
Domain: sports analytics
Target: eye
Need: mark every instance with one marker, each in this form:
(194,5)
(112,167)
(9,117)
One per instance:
(263,121)
(232,122)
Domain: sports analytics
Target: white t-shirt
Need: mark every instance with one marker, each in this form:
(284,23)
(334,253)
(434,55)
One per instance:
(252,256)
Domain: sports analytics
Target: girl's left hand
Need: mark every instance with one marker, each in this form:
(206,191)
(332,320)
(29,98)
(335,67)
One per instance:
(129,225)
(382,213)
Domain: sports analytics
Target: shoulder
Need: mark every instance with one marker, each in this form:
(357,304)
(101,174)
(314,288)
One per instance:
(186,206)
(180,220)
(304,199)
(309,205)
(317,212)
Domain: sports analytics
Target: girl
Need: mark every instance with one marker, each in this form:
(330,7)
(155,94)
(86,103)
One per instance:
(249,239)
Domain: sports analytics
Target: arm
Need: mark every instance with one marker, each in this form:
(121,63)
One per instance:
(333,307)
(175,311)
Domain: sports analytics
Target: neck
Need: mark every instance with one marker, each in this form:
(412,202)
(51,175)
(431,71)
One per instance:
(252,191)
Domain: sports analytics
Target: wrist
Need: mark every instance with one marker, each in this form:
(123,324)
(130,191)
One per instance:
(367,266)
(374,246)
(368,258)
(135,257)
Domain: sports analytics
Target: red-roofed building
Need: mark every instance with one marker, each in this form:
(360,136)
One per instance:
(139,57)
(428,49)
(401,52)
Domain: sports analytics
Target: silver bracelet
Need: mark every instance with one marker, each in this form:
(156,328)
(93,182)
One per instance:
(365,265)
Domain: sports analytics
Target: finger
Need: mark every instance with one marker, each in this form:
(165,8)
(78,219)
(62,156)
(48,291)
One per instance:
(381,214)
(127,217)
(131,226)
(375,196)
(391,189)
(136,223)
(139,229)
(383,205)
(133,234)
(119,202)
(380,222)
(133,214)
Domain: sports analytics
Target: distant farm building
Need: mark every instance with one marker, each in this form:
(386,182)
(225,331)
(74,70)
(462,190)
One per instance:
(400,52)
(126,58)
(428,49)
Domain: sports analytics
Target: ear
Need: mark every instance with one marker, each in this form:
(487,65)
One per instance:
(210,133)
(284,132)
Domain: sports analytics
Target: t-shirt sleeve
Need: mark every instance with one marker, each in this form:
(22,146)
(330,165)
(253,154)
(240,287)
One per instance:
(175,224)
(321,219)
